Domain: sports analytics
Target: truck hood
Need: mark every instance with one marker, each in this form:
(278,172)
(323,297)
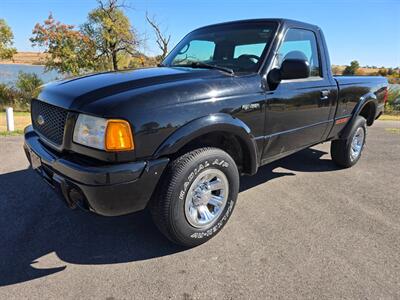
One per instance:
(76,93)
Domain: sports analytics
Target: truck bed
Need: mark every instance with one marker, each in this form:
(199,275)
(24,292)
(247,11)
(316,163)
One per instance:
(351,89)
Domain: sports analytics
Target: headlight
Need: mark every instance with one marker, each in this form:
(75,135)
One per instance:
(104,134)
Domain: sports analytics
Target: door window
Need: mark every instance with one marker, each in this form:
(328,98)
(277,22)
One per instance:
(300,44)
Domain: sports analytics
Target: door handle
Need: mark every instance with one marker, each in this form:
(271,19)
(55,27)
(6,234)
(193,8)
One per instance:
(325,94)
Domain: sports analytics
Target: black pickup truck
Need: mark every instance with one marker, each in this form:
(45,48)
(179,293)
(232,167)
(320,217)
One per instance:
(228,99)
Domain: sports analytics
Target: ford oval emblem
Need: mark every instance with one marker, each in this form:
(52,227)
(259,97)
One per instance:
(40,120)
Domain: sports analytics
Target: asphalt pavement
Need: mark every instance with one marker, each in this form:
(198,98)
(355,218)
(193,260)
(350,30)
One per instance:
(302,228)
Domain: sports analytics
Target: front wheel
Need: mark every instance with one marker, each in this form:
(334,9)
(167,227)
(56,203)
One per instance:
(196,196)
(346,152)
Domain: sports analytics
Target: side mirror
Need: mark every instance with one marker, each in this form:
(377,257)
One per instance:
(290,69)
(295,69)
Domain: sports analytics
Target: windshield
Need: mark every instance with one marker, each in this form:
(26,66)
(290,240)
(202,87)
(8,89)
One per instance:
(238,47)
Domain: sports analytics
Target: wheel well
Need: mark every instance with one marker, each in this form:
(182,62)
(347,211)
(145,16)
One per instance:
(226,141)
(368,112)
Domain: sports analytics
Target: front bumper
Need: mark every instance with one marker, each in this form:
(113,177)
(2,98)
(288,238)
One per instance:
(107,189)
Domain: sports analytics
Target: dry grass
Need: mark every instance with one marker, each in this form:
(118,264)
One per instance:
(393,130)
(21,120)
(389,118)
(27,58)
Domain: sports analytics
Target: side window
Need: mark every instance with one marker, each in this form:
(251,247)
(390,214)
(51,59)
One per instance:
(302,44)
(250,49)
(196,50)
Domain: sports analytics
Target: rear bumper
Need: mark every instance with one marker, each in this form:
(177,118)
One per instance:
(109,189)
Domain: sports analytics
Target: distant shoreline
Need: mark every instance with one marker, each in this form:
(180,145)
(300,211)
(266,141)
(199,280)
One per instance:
(20,63)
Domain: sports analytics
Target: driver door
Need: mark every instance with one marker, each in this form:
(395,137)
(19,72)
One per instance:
(298,110)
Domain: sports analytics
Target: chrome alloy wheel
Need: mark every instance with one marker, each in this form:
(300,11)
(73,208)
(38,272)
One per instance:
(206,198)
(357,143)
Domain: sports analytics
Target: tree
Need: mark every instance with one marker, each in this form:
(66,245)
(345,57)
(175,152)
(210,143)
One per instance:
(18,95)
(110,29)
(28,84)
(6,41)
(69,50)
(161,38)
(382,71)
(352,69)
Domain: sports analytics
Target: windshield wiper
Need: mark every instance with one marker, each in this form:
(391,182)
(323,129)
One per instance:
(199,64)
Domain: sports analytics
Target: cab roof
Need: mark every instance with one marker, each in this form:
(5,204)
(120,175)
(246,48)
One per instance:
(280,21)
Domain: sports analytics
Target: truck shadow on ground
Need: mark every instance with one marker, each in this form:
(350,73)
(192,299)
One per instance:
(34,224)
(308,160)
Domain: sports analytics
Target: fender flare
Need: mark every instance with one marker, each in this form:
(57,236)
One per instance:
(363,101)
(220,122)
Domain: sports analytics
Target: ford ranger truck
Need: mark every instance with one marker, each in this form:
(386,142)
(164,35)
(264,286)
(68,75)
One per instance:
(175,139)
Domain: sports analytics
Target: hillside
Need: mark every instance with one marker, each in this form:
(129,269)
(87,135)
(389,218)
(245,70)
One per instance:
(26,58)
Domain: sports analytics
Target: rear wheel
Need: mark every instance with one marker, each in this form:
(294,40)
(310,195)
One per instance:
(196,196)
(346,152)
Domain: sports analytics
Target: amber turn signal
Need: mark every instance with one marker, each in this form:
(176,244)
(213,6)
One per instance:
(118,136)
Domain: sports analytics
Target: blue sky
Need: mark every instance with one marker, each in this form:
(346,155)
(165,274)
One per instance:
(366,30)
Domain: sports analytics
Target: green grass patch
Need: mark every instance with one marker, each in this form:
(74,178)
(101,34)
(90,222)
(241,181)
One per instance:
(12,133)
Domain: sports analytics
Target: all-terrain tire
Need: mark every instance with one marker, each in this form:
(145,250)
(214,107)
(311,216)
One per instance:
(346,152)
(169,206)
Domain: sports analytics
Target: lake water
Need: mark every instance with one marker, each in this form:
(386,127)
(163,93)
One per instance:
(9,73)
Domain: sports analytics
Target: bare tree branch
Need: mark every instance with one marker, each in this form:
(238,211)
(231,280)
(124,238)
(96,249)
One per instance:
(162,39)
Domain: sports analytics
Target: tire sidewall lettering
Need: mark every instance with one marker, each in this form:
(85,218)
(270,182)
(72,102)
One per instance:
(218,164)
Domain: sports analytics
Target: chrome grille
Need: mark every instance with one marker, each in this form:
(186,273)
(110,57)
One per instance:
(49,121)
